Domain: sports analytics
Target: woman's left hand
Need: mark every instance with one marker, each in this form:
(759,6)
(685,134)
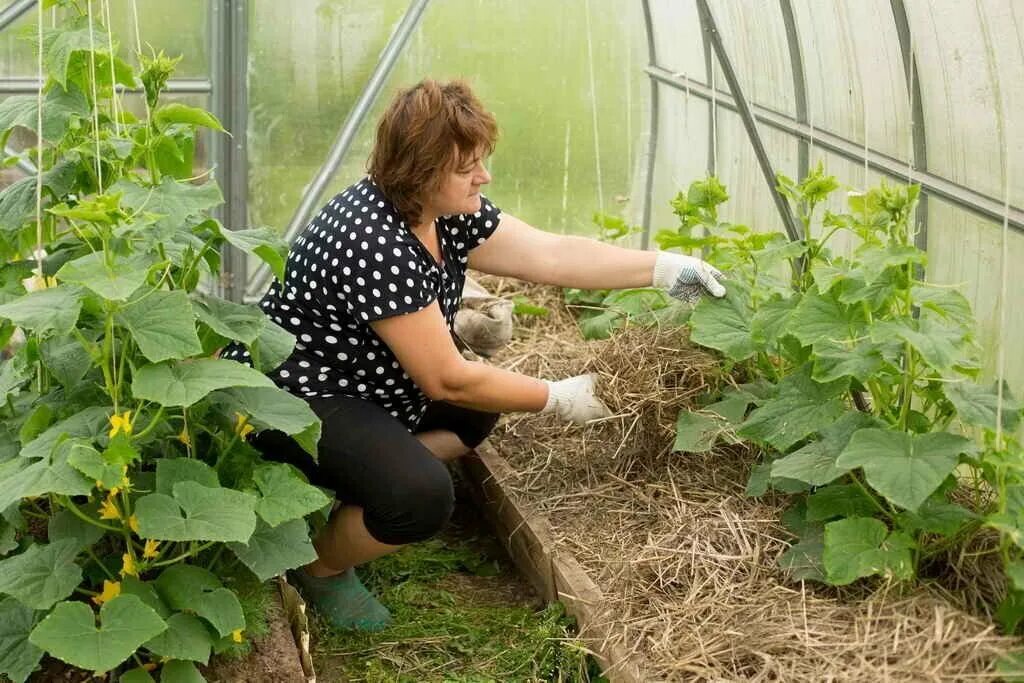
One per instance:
(686,277)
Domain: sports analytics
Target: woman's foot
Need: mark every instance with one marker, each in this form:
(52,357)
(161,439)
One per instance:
(342,600)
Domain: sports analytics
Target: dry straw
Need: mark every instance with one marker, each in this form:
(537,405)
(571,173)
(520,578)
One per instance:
(687,563)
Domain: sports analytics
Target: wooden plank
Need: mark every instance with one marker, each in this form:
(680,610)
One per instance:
(556,575)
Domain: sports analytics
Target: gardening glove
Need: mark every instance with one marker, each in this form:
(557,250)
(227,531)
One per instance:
(574,400)
(685,277)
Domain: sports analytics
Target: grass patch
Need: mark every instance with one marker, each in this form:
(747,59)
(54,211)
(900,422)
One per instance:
(455,620)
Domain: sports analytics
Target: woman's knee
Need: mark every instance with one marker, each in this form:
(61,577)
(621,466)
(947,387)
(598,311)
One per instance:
(415,508)
(475,430)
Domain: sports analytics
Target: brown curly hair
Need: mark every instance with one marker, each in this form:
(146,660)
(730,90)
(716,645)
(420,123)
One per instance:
(427,131)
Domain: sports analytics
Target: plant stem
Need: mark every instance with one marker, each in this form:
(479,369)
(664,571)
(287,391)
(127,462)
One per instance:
(152,423)
(66,502)
(184,555)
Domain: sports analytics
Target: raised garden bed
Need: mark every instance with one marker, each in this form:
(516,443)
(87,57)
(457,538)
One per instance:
(670,568)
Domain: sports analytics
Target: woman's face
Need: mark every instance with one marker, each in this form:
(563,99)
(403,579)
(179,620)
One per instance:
(459,191)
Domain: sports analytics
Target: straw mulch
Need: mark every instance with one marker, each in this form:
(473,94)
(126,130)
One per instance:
(686,562)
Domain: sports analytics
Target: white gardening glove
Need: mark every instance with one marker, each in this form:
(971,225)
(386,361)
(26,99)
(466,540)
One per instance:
(574,400)
(685,277)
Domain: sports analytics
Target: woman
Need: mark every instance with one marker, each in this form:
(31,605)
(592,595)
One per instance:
(371,289)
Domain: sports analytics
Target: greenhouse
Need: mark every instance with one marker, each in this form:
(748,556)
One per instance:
(451,340)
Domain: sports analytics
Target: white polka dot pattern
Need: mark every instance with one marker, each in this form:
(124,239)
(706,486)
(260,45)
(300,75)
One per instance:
(356,262)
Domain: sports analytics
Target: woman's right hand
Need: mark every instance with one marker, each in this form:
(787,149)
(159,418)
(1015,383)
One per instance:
(575,400)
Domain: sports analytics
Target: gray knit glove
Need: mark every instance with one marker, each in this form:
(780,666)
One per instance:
(686,277)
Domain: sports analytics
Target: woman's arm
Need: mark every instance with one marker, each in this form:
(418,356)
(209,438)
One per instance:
(519,250)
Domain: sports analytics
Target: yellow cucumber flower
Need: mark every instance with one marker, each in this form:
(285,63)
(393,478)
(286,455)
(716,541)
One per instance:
(151,549)
(184,437)
(121,423)
(108,509)
(133,523)
(242,426)
(128,567)
(111,589)
(236,635)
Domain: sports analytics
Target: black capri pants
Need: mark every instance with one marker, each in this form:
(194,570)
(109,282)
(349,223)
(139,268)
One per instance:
(370,459)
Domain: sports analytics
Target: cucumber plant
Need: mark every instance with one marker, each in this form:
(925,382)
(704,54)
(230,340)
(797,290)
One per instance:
(858,376)
(128,481)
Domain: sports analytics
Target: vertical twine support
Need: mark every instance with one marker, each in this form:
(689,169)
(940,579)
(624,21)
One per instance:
(39,148)
(115,103)
(95,97)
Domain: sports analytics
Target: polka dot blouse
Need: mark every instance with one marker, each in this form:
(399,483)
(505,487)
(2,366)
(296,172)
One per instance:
(354,263)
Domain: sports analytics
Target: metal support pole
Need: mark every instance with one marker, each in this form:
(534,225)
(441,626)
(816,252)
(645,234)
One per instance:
(796,60)
(229,62)
(709,69)
(964,197)
(351,126)
(748,120)
(918,140)
(652,140)
(11,13)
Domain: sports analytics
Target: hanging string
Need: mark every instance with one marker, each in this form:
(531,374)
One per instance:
(95,97)
(1003,259)
(593,108)
(39,150)
(910,139)
(114,100)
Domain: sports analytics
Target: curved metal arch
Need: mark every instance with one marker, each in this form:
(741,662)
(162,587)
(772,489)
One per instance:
(652,139)
(796,61)
(918,133)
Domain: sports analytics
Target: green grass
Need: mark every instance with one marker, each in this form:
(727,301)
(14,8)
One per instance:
(454,620)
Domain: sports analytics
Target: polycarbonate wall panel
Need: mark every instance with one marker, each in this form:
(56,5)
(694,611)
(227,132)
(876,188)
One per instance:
(678,39)
(682,151)
(178,28)
(750,197)
(754,34)
(552,166)
(854,72)
(971,57)
(965,251)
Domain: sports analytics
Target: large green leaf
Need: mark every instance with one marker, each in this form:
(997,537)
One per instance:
(185,638)
(272,347)
(66,359)
(182,384)
(25,478)
(724,324)
(60,42)
(169,471)
(839,500)
(197,513)
(176,112)
(272,550)
(939,345)
(243,322)
(87,423)
(862,546)
(18,657)
(274,408)
(801,407)
(14,373)
(873,260)
(67,525)
(815,463)
(264,243)
(905,468)
(70,632)
(978,405)
(59,107)
(188,588)
(162,325)
(87,460)
(936,516)
(857,359)
(822,318)
(943,301)
(178,671)
(51,311)
(18,200)
(173,201)
(42,575)
(803,560)
(772,319)
(115,283)
(696,432)
(284,495)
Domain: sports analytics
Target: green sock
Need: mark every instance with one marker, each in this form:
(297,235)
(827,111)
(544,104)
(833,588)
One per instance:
(342,600)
